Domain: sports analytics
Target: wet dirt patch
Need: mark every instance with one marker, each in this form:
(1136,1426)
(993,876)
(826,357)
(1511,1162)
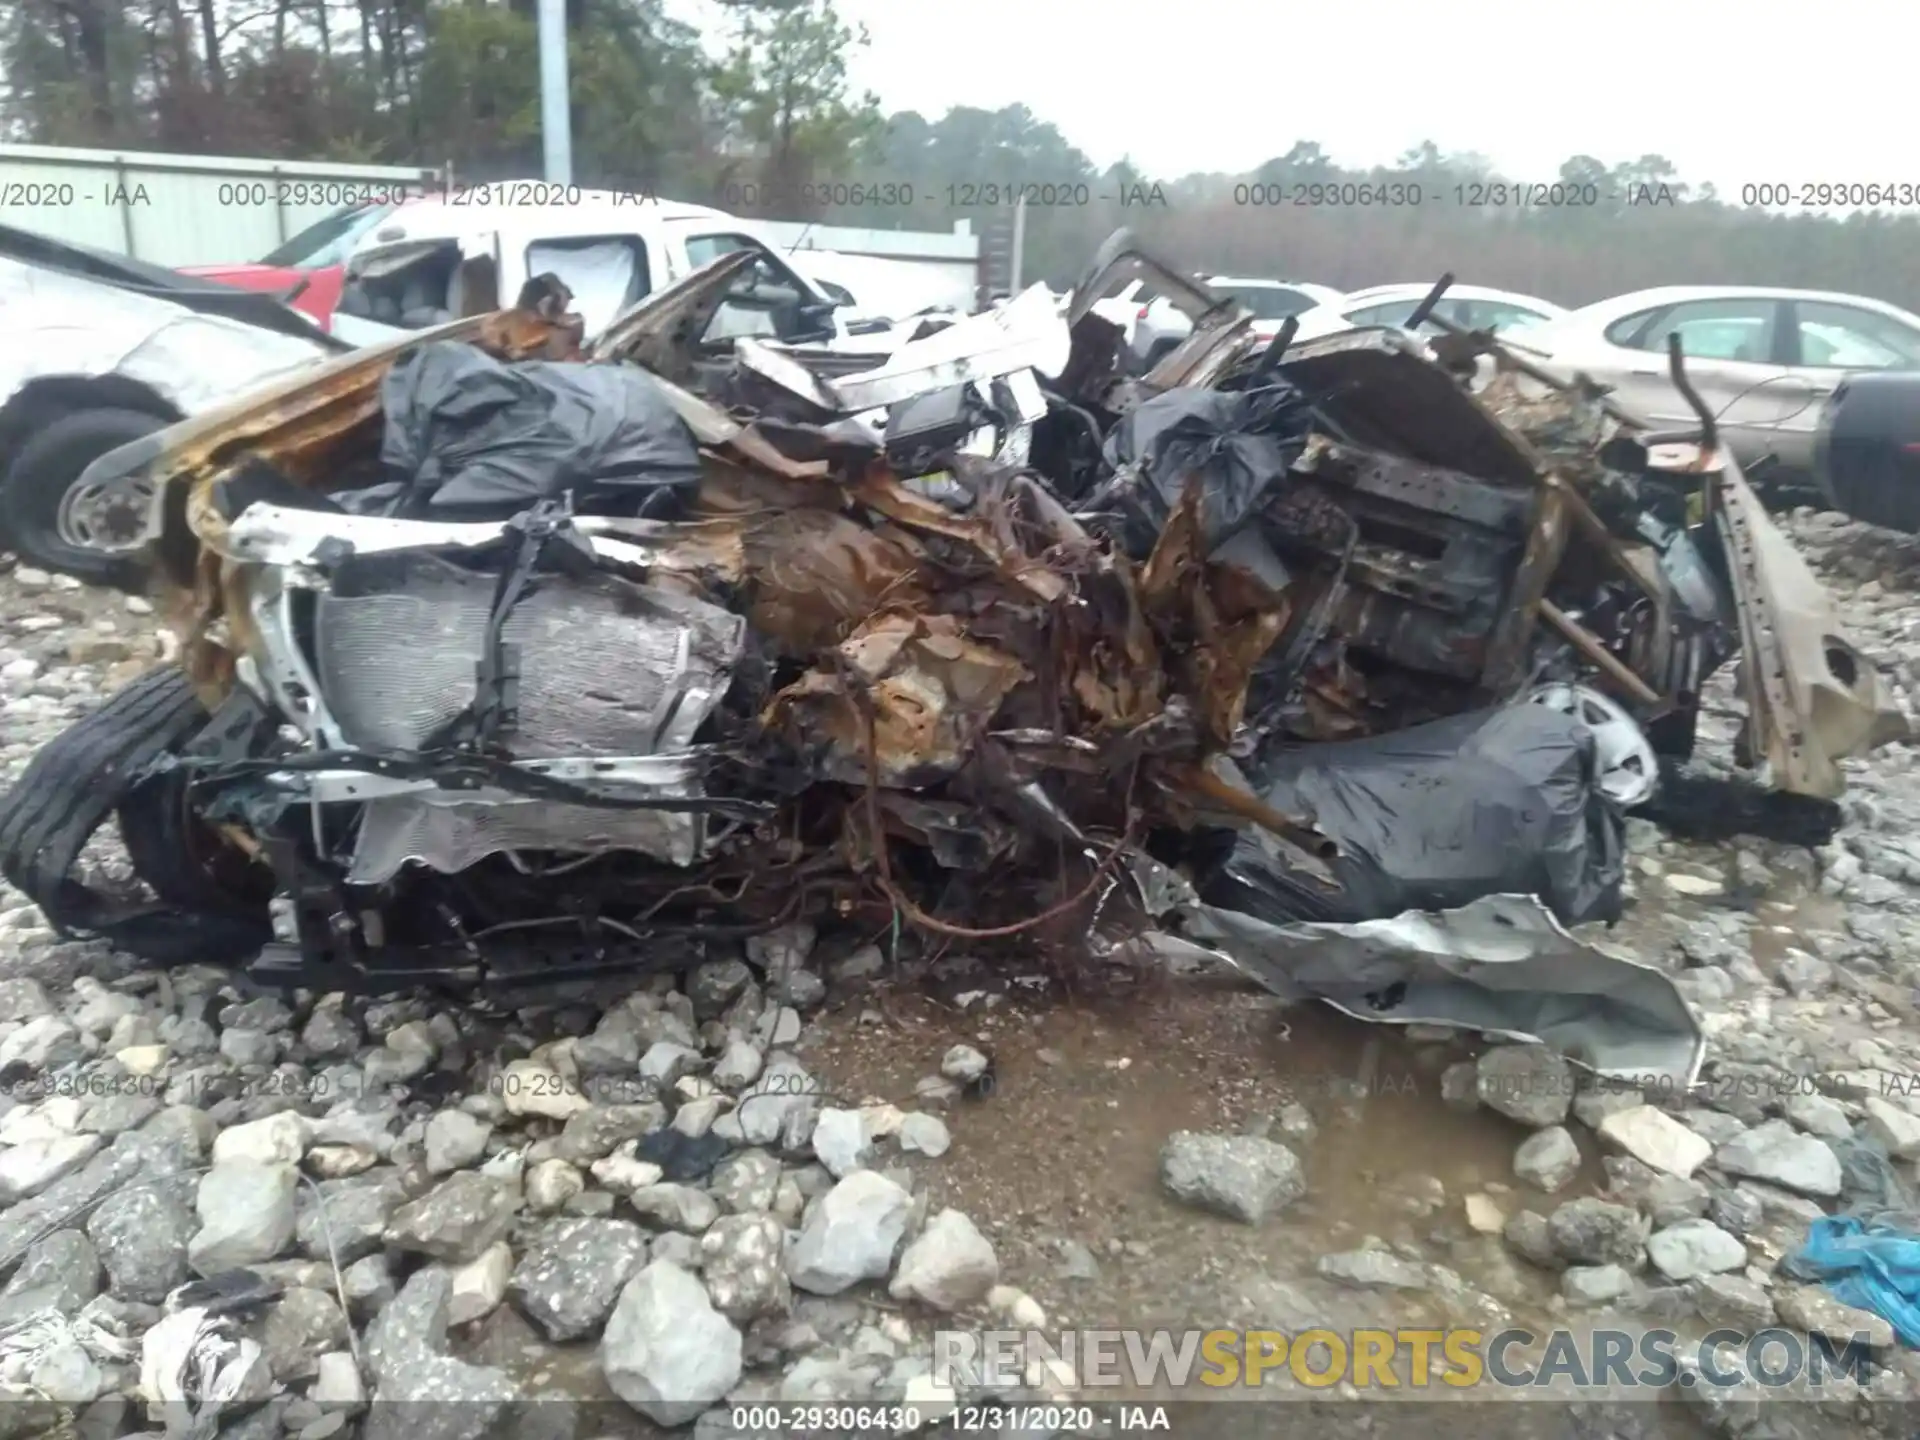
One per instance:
(1060,1163)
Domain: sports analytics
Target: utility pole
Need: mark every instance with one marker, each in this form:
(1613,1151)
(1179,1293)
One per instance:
(556,124)
(1019,256)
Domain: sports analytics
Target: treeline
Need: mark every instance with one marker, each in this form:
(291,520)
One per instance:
(757,115)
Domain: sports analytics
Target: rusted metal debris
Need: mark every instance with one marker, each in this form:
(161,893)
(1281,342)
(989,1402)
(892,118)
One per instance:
(916,650)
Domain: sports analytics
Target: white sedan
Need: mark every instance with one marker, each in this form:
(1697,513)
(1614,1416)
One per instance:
(102,351)
(1471,307)
(1763,359)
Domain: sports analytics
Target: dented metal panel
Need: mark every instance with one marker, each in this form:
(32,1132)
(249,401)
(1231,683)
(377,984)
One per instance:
(1813,697)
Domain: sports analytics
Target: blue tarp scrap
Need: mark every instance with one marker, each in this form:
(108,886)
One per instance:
(1872,1265)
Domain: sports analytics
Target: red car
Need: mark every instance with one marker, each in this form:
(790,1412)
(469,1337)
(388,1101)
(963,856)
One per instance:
(309,270)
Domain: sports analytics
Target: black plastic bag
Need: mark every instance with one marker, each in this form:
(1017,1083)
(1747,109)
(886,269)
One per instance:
(473,433)
(1493,802)
(1237,443)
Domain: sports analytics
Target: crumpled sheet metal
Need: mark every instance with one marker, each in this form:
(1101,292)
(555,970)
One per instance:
(916,684)
(1501,965)
(1024,334)
(1231,619)
(1383,392)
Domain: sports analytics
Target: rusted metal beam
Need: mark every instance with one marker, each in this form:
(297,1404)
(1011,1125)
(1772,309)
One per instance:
(1589,645)
(1546,544)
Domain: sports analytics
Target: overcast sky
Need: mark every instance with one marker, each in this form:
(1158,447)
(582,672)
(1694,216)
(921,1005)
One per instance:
(1730,92)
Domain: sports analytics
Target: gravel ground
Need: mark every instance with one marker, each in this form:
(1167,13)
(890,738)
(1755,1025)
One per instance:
(770,1181)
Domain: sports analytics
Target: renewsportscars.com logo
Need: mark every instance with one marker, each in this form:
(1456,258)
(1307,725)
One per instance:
(1202,1361)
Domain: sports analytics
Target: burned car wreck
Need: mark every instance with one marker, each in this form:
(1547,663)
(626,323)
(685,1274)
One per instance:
(504,661)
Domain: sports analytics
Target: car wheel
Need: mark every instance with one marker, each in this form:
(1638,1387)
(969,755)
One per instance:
(50,520)
(99,765)
(181,859)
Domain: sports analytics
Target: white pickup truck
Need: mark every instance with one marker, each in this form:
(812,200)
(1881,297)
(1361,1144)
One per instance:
(472,251)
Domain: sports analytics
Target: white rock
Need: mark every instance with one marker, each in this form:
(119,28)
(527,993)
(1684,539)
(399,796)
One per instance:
(679,1207)
(142,1060)
(929,1399)
(454,1140)
(1548,1158)
(696,1117)
(1484,1216)
(850,1234)
(963,1063)
(37,1043)
(246,1216)
(505,1167)
(841,1141)
(279,1139)
(28,1169)
(1693,885)
(49,1120)
(553,1182)
(739,1065)
(334,1162)
(666,1061)
(925,1135)
(783,1100)
(1019,1307)
(1893,1126)
(1818,1115)
(338,1385)
(949,1265)
(666,1351)
(480,1285)
(1655,1138)
(623,1174)
(528,1087)
(1774,1151)
(1694,1248)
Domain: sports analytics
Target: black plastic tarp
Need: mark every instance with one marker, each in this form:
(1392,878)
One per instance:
(1238,444)
(1431,818)
(472,433)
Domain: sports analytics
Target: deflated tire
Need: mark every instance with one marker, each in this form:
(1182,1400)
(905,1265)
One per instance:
(68,790)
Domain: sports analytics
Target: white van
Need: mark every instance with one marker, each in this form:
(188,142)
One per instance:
(472,250)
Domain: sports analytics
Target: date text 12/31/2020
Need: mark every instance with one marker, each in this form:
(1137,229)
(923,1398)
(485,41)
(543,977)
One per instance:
(1466,195)
(974,1418)
(209,1084)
